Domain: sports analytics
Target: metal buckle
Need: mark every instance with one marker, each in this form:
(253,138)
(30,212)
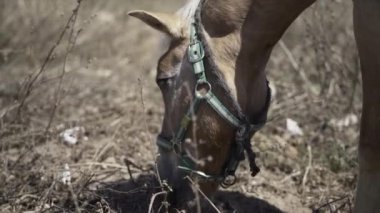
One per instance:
(196,52)
(228,181)
(202,89)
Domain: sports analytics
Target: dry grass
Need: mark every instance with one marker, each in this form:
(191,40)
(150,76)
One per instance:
(314,73)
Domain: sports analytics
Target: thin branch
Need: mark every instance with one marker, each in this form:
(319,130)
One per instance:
(203,194)
(288,177)
(70,45)
(308,85)
(328,204)
(30,83)
(75,199)
(129,171)
(309,165)
(153,198)
(147,129)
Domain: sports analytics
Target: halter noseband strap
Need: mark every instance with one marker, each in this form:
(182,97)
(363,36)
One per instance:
(203,92)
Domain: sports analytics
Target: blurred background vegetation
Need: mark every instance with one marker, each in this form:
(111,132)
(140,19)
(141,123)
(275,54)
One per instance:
(100,76)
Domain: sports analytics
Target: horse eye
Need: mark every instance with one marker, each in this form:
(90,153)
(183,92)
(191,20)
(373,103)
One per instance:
(167,81)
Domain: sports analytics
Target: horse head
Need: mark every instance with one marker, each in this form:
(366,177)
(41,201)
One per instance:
(204,132)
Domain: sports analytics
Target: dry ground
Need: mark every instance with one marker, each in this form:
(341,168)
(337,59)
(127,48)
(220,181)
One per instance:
(101,77)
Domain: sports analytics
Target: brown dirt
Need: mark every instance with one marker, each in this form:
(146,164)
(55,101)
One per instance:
(109,89)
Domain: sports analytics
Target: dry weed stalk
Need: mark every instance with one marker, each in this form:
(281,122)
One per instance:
(31,80)
(307,83)
(335,209)
(163,185)
(153,198)
(308,167)
(70,45)
(196,187)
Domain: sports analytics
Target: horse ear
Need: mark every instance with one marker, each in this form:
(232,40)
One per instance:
(169,24)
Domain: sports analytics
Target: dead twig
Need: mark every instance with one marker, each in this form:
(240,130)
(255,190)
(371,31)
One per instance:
(70,45)
(31,80)
(340,207)
(130,162)
(308,167)
(203,194)
(74,198)
(153,198)
(105,165)
(147,129)
(294,174)
(308,85)
(129,171)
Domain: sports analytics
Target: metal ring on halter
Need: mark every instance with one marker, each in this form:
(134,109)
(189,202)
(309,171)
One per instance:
(199,90)
(228,181)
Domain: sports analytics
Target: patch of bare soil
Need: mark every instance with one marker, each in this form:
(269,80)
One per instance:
(135,196)
(98,83)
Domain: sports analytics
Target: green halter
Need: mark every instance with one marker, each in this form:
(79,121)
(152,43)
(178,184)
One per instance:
(203,93)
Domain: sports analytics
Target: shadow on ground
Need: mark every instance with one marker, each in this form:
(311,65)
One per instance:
(135,196)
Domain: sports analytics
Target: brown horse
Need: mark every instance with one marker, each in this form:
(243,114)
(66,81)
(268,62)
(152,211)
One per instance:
(239,36)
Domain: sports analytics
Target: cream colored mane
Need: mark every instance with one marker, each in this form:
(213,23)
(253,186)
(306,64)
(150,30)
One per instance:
(188,10)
